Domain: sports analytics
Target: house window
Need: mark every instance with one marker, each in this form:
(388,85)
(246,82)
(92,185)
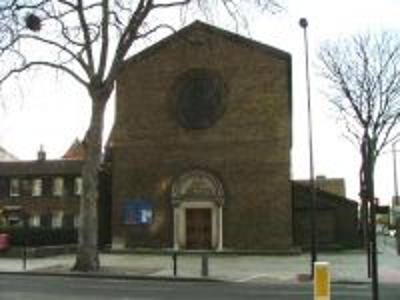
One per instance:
(45,221)
(34,221)
(78,185)
(58,186)
(57,219)
(76,220)
(14,187)
(14,220)
(26,187)
(68,221)
(37,185)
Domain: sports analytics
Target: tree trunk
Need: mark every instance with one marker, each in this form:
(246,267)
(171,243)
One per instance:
(363,192)
(397,235)
(366,175)
(87,258)
(367,192)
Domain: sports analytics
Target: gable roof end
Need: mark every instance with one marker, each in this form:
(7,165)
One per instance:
(234,37)
(75,152)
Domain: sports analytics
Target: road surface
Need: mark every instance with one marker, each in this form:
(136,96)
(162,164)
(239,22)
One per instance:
(63,288)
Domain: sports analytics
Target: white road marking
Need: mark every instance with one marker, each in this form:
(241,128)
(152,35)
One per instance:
(245,279)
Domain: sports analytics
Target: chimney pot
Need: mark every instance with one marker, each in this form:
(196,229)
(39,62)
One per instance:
(41,154)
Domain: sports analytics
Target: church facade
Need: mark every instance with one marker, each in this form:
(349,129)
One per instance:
(200,147)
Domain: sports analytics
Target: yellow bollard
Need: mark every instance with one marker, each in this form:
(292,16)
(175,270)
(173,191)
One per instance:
(322,281)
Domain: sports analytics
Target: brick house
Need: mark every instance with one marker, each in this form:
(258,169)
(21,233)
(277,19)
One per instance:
(45,192)
(200,148)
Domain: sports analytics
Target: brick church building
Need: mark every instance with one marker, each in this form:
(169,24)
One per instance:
(200,148)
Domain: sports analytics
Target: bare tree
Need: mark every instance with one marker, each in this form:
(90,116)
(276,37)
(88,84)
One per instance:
(363,73)
(89,41)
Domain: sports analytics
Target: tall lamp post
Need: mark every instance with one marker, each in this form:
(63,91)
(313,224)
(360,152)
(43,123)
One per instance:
(396,188)
(303,24)
(395,220)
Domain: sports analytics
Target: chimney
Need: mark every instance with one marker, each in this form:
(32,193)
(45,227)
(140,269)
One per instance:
(41,154)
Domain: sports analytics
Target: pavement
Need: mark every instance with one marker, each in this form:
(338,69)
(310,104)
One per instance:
(345,266)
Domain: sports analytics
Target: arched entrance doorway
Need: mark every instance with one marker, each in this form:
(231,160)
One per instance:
(197,199)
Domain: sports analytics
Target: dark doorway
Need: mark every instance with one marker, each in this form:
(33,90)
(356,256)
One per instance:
(198,228)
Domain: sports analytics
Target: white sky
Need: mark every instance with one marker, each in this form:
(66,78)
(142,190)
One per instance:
(54,111)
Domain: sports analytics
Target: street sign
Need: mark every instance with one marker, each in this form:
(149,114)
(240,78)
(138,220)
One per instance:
(137,212)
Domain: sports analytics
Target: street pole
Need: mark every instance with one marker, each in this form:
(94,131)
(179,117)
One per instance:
(396,188)
(395,201)
(303,24)
(374,256)
(25,235)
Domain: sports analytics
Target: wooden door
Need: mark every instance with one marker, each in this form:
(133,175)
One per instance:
(198,228)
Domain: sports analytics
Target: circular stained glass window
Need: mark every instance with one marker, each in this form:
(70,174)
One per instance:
(200,100)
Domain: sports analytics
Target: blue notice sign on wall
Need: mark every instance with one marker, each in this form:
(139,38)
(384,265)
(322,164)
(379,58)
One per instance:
(138,211)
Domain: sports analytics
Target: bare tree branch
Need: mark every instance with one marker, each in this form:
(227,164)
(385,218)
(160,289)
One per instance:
(105,38)
(365,90)
(62,48)
(44,64)
(86,34)
(171,4)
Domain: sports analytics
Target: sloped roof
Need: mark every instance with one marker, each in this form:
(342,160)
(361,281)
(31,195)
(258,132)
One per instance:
(234,37)
(302,198)
(37,167)
(75,152)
